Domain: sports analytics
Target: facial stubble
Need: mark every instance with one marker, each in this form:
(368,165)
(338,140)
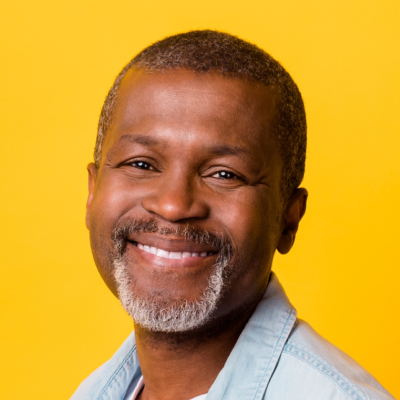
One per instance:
(161,313)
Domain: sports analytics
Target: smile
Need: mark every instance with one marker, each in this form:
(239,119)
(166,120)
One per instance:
(174,255)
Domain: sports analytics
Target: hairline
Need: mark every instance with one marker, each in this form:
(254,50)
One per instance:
(246,62)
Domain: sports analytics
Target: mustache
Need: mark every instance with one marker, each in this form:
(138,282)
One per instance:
(127,227)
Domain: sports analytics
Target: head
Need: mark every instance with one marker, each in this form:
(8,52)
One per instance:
(198,159)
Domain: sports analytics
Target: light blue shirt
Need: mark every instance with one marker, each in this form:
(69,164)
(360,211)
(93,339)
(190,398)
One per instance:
(277,357)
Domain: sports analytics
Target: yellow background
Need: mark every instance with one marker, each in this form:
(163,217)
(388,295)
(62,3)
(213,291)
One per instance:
(59,58)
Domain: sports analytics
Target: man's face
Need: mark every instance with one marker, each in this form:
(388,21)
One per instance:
(192,152)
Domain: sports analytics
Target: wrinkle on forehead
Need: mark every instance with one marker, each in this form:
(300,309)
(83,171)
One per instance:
(181,100)
(156,92)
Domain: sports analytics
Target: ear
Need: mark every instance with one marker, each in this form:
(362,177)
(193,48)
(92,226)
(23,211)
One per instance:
(92,170)
(295,209)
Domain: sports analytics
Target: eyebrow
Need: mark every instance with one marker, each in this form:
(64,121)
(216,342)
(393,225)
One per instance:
(143,140)
(227,150)
(219,150)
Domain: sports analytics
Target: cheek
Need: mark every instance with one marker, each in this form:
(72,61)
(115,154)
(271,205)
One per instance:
(112,200)
(250,221)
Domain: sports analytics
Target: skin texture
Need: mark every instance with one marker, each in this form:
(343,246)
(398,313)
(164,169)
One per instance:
(192,150)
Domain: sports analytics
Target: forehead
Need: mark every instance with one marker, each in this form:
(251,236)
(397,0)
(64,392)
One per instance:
(179,105)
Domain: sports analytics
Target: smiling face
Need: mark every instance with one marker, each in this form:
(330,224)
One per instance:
(189,169)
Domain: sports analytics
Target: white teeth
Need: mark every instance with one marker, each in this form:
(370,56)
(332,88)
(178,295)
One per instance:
(162,253)
(153,250)
(174,255)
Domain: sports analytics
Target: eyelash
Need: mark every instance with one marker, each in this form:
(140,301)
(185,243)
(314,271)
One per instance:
(223,175)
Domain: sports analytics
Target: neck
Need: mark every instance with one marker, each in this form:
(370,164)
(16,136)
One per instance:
(181,366)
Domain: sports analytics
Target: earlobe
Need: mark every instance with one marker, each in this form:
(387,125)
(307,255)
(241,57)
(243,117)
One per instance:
(92,170)
(296,207)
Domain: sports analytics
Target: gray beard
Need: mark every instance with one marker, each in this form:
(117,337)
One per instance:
(169,315)
(178,315)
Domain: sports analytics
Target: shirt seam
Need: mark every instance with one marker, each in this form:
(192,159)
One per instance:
(344,385)
(294,329)
(273,352)
(120,366)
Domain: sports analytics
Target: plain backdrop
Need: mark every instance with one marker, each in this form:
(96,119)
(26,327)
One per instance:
(58,60)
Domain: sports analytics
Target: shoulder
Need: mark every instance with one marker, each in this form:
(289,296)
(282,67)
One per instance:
(112,379)
(91,384)
(312,368)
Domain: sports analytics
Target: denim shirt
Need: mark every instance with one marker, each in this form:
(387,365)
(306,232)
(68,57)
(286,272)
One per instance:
(277,357)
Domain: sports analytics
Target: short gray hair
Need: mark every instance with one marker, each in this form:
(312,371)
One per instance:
(206,51)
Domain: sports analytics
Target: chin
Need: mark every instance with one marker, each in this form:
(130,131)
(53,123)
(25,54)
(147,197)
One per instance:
(164,313)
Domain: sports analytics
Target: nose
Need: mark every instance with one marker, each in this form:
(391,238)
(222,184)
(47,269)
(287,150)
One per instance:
(176,198)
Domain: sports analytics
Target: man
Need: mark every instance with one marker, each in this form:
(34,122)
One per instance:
(199,156)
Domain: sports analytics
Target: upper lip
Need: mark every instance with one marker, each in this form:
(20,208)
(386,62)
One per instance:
(169,243)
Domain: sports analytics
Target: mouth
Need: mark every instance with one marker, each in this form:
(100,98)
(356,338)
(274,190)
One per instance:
(172,255)
(171,250)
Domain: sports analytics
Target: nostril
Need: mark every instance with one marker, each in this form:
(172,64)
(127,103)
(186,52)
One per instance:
(175,205)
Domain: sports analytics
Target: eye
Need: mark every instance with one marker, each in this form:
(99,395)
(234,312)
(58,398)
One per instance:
(142,165)
(225,175)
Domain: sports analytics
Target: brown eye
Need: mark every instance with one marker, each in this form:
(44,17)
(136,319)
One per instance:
(142,165)
(225,175)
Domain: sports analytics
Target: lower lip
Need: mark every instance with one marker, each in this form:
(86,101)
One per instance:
(169,262)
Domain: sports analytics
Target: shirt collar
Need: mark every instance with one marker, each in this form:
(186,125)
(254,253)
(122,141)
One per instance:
(250,365)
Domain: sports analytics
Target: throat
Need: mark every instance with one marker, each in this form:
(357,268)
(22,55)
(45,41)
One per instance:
(185,365)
